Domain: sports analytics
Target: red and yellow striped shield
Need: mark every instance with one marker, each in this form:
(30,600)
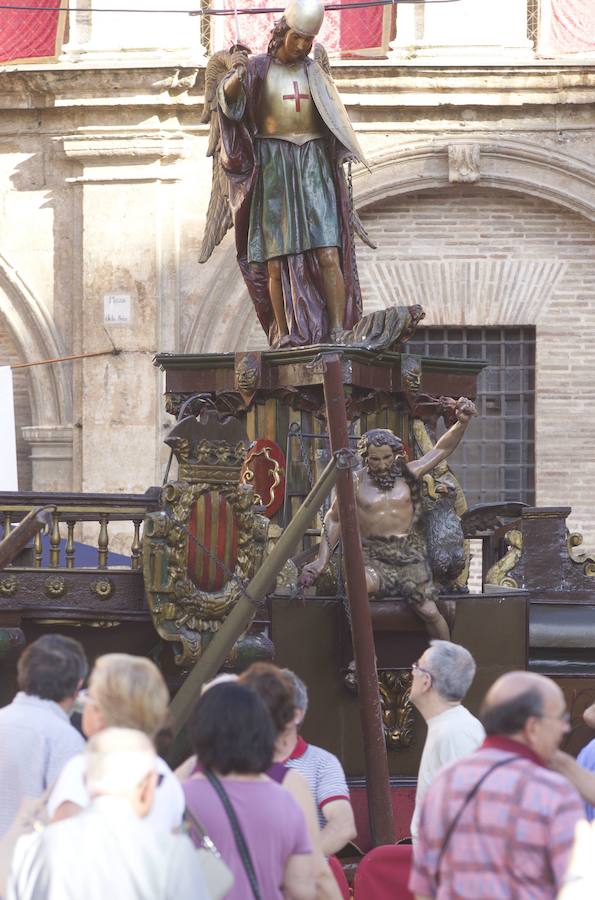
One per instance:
(213,524)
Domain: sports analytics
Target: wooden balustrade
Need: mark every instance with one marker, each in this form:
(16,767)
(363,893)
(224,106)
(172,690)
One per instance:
(79,509)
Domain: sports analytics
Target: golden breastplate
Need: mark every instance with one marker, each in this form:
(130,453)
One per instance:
(286,110)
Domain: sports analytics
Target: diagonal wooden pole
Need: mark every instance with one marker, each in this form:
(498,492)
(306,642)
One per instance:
(380,810)
(18,538)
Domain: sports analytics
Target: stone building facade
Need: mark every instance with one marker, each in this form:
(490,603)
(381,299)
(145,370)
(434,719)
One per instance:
(480,194)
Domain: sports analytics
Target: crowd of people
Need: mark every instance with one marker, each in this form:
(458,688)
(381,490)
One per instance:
(255,811)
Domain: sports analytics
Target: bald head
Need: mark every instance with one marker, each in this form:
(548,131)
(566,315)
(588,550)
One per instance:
(519,703)
(513,685)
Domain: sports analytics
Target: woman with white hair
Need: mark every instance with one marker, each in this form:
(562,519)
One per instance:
(107,849)
(124,692)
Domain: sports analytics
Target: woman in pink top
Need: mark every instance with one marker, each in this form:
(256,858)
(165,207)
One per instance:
(233,736)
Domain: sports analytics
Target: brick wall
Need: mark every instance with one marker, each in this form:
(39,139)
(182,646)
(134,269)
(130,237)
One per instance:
(475,256)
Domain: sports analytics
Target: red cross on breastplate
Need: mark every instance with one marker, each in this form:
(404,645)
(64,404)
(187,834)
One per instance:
(296,96)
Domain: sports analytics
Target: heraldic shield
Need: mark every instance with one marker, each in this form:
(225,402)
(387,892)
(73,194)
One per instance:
(207,539)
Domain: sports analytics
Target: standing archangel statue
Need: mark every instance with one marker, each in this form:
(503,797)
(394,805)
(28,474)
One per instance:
(279,138)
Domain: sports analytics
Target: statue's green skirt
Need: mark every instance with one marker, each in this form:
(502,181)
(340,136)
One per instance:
(294,204)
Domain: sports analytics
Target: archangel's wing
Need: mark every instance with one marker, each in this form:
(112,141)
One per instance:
(219,219)
(321,57)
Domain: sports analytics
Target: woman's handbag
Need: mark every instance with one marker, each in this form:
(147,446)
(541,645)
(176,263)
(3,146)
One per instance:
(238,835)
(218,876)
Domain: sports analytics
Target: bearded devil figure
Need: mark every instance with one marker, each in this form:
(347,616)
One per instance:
(279,137)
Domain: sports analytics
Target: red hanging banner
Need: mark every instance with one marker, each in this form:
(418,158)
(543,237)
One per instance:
(33,34)
(364,32)
(566,26)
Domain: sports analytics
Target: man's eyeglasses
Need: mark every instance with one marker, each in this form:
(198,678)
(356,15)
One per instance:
(563,717)
(417,668)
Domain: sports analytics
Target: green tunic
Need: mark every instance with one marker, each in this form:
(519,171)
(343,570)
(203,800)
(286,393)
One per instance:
(294,204)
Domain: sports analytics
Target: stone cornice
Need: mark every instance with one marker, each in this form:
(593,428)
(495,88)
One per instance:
(367,87)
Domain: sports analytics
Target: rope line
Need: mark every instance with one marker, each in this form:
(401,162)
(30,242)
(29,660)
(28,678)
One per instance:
(329,7)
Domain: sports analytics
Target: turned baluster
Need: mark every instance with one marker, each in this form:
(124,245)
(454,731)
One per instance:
(55,541)
(70,543)
(135,550)
(37,550)
(103,541)
(6,528)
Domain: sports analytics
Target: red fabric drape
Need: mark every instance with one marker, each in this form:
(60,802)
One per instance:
(31,36)
(353,31)
(566,26)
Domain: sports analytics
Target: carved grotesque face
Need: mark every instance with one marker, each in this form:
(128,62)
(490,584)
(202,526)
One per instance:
(412,376)
(247,373)
(295,47)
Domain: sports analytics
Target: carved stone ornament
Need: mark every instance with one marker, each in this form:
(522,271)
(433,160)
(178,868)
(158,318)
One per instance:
(203,545)
(411,373)
(8,586)
(397,708)
(581,558)
(103,587)
(463,163)
(498,574)
(55,586)
(248,373)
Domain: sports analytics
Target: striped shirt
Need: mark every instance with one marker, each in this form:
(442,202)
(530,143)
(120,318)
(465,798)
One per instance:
(323,772)
(514,837)
(36,740)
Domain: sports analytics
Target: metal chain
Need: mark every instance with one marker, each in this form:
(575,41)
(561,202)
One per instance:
(221,565)
(295,429)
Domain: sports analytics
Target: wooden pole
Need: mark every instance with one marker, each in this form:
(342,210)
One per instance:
(380,810)
(241,615)
(13,543)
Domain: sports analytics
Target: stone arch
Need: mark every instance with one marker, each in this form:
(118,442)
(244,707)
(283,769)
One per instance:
(510,165)
(36,337)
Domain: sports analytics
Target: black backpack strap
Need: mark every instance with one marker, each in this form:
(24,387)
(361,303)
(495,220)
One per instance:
(237,833)
(469,797)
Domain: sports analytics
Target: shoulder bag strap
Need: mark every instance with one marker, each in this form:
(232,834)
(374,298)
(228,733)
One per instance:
(237,833)
(469,797)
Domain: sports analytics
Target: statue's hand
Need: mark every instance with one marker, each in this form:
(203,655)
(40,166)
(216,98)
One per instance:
(465,410)
(239,62)
(310,573)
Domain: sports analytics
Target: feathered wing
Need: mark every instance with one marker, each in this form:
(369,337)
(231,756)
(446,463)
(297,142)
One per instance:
(219,219)
(321,57)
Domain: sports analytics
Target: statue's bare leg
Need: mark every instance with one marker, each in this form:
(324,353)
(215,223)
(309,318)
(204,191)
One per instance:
(334,288)
(276,294)
(433,619)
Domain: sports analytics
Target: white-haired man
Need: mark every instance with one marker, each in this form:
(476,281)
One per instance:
(441,678)
(325,776)
(107,850)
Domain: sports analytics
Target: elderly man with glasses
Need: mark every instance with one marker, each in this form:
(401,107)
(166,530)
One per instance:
(441,678)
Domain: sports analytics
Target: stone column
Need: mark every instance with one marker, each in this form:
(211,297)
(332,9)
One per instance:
(469,31)
(129,295)
(96,34)
(51,456)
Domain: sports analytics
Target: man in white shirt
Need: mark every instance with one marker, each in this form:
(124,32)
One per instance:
(36,737)
(441,678)
(108,849)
